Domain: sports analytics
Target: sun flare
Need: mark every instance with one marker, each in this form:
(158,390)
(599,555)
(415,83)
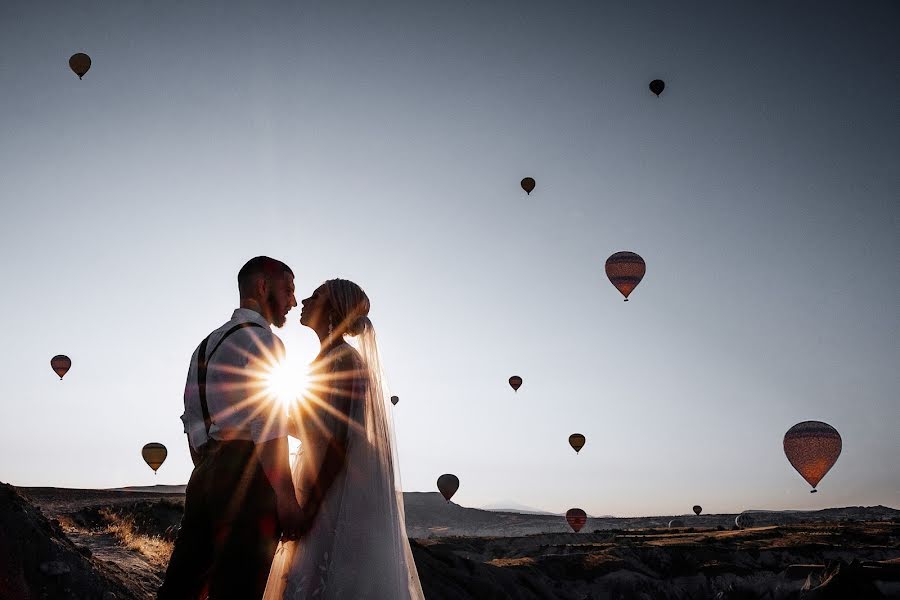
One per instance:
(287,381)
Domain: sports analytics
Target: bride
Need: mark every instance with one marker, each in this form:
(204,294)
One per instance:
(345,473)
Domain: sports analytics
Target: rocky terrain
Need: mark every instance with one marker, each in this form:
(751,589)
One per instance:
(107,544)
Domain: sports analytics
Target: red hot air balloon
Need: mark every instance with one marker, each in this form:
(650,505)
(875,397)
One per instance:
(625,271)
(61,365)
(812,447)
(698,509)
(528,185)
(515,382)
(80,63)
(448,484)
(576,519)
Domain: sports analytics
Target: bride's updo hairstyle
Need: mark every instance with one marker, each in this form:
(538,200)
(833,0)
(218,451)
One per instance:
(350,307)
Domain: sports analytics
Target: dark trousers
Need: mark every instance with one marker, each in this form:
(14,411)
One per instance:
(229,531)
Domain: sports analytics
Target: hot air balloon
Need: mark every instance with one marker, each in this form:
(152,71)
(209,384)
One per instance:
(447,485)
(576,518)
(625,271)
(515,382)
(576,440)
(154,455)
(812,447)
(528,185)
(395,400)
(61,365)
(698,509)
(657,86)
(80,63)
(744,520)
(676,523)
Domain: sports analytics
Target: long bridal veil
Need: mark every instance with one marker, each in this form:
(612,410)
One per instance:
(358,546)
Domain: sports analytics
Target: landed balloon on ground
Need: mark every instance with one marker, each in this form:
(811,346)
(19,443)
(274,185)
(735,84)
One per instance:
(515,382)
(698,509)
(812,447)
(448,484)
(395,400)
(154,455)
(675,523)
(625,271)
(744,520)
(657,86)
(61,365)
(80,63)
(576,440)
(576,519)
(528,185)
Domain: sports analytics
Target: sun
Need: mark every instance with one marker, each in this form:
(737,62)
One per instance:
(287,381)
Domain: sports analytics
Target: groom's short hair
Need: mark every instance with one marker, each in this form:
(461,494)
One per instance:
(260,266)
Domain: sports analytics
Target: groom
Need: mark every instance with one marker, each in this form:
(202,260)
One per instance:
(240,499)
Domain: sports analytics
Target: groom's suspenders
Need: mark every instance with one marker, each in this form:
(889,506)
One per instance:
(203,364)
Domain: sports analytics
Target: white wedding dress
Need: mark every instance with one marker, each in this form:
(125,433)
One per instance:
(357,547)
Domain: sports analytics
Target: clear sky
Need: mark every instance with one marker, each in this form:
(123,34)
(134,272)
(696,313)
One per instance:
(386,145)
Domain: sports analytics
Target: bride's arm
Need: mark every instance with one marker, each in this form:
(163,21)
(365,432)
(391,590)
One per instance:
(340,400)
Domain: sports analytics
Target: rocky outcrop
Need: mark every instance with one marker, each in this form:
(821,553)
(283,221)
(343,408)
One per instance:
(38,561)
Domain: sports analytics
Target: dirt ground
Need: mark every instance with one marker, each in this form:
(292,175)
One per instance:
(121,540)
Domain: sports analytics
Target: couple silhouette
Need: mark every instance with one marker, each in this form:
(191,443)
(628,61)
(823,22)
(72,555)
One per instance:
(332,524)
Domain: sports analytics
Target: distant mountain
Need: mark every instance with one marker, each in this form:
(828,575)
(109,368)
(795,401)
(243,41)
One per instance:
(151,489)
(510,506)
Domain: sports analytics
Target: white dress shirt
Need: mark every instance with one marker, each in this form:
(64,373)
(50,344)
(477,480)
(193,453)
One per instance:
(240,405)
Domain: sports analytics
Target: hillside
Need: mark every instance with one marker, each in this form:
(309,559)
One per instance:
(95,542)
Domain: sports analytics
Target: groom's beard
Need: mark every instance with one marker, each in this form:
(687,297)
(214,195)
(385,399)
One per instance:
(278,318)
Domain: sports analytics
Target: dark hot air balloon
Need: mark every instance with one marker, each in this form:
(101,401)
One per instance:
(80,63)
(61,365)
(698,509)
(447,485)
(576,440)
(528,185)
(625,271)
(395,400)
(154,455)
(576,518)
(515,382)
(812,447)
(657,86)
(676,523)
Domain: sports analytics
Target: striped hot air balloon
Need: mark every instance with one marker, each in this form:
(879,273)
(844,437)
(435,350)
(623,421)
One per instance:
(576,519)
(625,271)
(61,365)
(812,447)
(154,455)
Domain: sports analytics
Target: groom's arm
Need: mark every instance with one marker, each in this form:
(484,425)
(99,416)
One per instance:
(273,457)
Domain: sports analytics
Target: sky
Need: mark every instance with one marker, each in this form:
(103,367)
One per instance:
(385,145)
